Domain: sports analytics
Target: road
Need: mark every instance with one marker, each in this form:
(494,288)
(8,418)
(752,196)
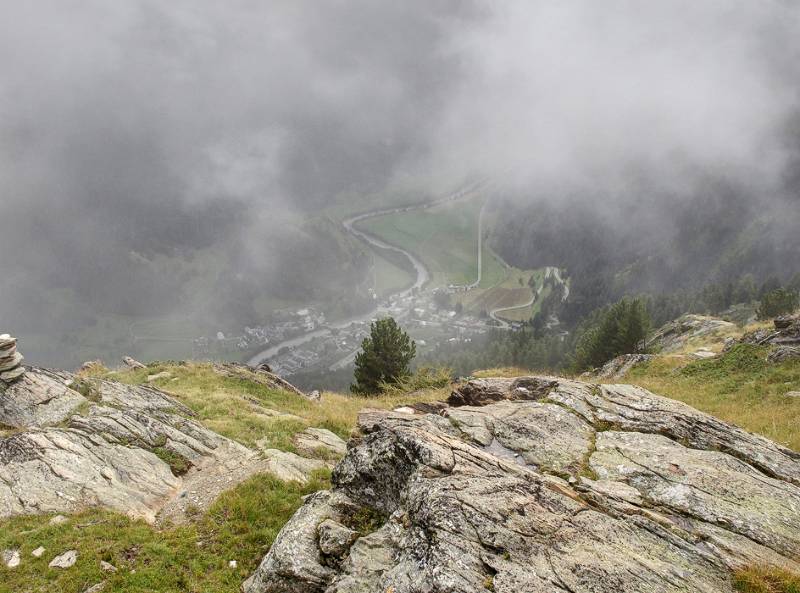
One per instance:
(422,273)
(549,271)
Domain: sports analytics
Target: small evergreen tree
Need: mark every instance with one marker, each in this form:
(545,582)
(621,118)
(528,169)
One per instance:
(385,357)
(777,302)
(618,329)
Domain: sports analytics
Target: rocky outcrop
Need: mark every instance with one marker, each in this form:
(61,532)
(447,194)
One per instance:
(619,367)
(784,353)
(785,333)
(674,335)
(79,442)
(565,486)
(312,441)
(261,375)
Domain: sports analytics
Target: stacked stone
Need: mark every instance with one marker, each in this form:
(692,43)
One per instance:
(11,367)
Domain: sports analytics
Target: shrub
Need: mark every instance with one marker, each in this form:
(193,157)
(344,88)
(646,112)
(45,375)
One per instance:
(778,302)
(425,377)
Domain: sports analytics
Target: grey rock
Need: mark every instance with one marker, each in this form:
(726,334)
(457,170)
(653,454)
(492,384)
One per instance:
(334,538)
(315,395)
(37,553)
(792,394)
(674,335)
(12,375)
(784,353)
(157,376)
(58,520)
(311,439)
(11,362)
(96,588)
(11,558)
(786,332)
(91,365)
(40,398)
(479,392)
(72,452)
(619,367)
(107,566)
(65,560)
(132,363)
(582,488)
(291,467)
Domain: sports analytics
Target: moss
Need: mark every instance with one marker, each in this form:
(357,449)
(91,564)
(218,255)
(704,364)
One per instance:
(366,520)
(87,387)
(178,464)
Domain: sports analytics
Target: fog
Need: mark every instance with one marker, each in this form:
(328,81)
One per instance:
(135,132)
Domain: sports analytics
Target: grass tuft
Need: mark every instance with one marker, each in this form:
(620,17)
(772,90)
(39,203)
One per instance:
(766,580)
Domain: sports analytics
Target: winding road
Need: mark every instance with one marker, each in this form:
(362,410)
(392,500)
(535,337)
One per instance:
(422,273)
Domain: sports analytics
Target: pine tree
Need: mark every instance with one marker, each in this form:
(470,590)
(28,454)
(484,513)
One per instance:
(385,357)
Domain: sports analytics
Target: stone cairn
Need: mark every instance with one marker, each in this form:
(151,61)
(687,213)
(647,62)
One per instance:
(11,367)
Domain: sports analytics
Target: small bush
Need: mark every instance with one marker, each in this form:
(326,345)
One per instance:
(426,377)
(778,302)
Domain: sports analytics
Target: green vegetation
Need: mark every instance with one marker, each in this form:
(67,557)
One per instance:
(444,237)
(739,386)
(766,580)
(425,377)
(778,302)
(618,329)
(366,520)
(385,357)
(241,525)
(242,409)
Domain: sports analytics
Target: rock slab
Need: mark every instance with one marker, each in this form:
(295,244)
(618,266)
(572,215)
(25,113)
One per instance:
(564,487)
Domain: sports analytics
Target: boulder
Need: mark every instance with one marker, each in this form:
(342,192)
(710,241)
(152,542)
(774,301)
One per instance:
(618,367)
(673,336)
(574,487)
(311,440)
(11,558)
(784,353)
(65,560)
(132,363)
(291,467)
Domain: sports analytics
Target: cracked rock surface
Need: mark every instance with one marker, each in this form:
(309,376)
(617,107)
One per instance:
(79,442)
(543,485)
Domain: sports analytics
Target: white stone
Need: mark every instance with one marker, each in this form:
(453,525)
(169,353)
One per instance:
(65,560)
(37,553)
(11,558)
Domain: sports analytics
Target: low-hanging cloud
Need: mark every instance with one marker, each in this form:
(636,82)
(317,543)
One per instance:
(144,129)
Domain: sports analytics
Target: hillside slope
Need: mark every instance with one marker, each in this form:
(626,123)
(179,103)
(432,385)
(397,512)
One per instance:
(595,453)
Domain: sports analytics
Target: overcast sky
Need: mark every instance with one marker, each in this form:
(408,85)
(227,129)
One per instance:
(118,120)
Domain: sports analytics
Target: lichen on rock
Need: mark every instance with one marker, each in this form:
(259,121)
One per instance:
(568,487)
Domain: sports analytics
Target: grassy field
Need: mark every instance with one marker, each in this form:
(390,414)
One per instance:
(444,237)
(241,525)
(740,386)
(225,404)
(513,289)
